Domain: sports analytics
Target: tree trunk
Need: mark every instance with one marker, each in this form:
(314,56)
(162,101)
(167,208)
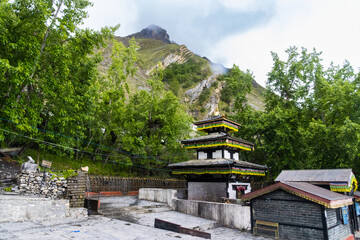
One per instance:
(25,86)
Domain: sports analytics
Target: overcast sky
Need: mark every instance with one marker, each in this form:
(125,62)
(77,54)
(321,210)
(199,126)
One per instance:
(243,32)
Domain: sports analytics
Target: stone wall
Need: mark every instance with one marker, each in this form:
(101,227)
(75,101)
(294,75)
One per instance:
(34,183)
(52,186)
(297,217)
(337,230)
(76,187)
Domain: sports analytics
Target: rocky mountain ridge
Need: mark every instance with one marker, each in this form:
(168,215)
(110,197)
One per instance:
(201,95)
(152,32)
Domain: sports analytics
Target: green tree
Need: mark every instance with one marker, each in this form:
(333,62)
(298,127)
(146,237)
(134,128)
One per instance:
(154,124)
(237,86)
(47,68)
(113,90)
(311,118)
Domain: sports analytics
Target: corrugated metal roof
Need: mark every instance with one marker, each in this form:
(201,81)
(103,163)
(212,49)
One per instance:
(315,175)
(307,191)
(216,162)
(318,191)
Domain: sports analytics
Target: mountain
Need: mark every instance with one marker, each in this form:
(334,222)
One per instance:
(152,32)
(194,79)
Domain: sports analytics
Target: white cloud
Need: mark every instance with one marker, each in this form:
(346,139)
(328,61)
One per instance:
(111,13)
(246,5)
(332,27)
(243,32)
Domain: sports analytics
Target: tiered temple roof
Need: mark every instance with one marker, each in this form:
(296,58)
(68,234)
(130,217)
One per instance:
(218,140)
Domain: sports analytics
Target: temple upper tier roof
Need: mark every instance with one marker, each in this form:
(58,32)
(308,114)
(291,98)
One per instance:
(216,140)
(217,122)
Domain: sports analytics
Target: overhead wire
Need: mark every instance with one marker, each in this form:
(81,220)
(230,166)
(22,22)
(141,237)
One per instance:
(133,155)
(79,150)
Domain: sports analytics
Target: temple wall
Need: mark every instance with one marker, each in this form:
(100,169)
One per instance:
(232,192)
(206,191)
(202,155)
(227,154)
(217,154)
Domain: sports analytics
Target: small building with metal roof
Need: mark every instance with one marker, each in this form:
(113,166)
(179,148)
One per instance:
(307,204)
(300,210)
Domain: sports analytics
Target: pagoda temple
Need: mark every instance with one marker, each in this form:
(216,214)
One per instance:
(218,171)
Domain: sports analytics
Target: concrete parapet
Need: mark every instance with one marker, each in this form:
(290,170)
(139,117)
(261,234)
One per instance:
(21,208)
(77,213)
(158,195)
(229,215)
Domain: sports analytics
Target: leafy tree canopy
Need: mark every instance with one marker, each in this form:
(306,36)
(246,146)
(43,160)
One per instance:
(311,118)
(46,66)
(49,80)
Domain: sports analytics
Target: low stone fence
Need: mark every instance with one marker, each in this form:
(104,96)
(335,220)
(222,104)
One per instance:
(229,215)
(54,187)
(128,184)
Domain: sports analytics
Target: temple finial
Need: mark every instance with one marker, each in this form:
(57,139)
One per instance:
(216,112)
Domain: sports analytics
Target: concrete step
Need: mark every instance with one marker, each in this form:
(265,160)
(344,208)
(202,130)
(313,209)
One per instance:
(184,220)
(113,212)
(129,208)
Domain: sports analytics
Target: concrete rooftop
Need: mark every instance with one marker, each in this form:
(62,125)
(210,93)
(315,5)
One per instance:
(138,226)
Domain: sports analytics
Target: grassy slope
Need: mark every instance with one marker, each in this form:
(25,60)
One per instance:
(152,51)
(65,162)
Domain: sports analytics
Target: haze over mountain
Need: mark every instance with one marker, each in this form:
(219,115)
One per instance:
(199,85)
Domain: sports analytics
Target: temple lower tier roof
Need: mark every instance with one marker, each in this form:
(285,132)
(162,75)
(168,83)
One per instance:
(218,166)
(216,140)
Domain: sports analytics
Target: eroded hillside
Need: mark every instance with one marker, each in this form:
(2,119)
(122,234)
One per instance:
(195,80)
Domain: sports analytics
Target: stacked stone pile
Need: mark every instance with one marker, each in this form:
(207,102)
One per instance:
(50,185)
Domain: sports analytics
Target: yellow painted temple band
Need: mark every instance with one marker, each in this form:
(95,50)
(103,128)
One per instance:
(218,145)
(220,171)
(335,187)
(217,125)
